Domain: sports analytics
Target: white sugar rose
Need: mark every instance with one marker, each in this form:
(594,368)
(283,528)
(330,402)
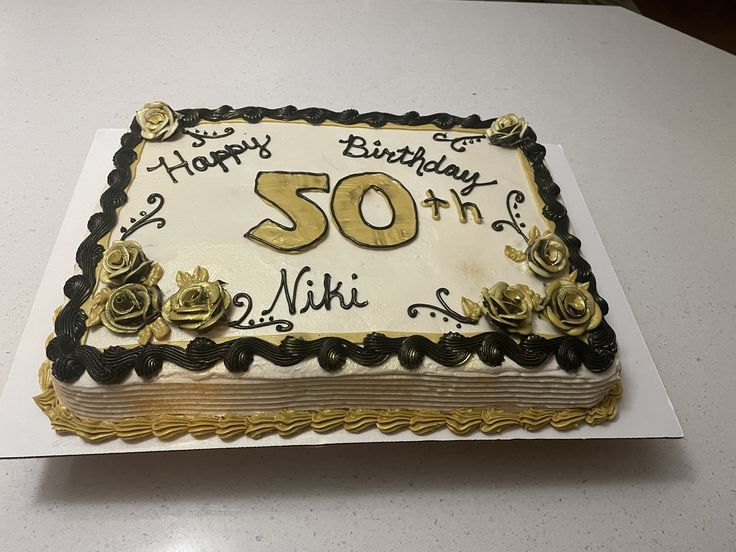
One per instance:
(157,121)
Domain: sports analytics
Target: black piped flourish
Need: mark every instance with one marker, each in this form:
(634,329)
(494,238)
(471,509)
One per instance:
(70,358)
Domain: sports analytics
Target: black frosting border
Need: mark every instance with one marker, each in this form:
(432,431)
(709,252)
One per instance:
(70,358)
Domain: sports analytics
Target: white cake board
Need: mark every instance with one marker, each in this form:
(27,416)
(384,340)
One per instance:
(644,410)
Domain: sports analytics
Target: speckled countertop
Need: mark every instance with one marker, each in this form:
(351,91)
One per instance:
(646,116)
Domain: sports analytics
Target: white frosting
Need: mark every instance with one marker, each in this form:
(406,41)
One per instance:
(207,215)
(306,386)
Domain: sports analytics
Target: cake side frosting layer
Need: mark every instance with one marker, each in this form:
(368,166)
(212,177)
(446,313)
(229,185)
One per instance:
(288,422)
(431,387)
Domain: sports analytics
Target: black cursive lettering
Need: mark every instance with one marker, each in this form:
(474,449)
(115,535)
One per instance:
(331,290)
(356,147)
(215,158)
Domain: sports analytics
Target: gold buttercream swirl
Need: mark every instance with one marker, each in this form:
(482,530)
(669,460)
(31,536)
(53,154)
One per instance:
(328,419)
(290,422)
(134,429)
(169,426)
(227,427)
(394,419)
(464,420)
(495,420)
(260,424)
(360,419)
(426,421)
(567,419)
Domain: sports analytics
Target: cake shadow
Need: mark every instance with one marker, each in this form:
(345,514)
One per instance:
(359,469)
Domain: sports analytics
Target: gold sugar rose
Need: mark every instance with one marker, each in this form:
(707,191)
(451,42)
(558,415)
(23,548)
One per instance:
(157,121)
(511,308)
(570,306)
(546,254)
(125,263)
(199,303)
(128,309)
(507,130)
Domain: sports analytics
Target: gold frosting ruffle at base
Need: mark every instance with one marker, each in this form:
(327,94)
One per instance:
(289,422)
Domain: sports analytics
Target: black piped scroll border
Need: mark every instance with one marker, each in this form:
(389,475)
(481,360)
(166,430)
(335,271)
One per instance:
(70,358)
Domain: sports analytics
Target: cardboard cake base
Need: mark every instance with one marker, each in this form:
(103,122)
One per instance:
(643,411)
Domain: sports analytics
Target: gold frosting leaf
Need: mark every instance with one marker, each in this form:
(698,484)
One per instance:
(533,233)
(200,275)
(471,309)
(97,305)
(159,328)
(144,335)
(536,299)
(572,277)
(154,276)
(516,255)
(93,319)
(183,278)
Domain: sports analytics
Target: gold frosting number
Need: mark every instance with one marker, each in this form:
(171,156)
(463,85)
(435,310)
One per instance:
(284,190)
(346,210)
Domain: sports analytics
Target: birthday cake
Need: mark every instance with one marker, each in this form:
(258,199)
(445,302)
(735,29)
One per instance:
(254,271)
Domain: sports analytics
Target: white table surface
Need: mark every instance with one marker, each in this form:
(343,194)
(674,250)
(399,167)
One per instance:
(646,116)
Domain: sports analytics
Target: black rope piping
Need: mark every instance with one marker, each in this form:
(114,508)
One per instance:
(70,359)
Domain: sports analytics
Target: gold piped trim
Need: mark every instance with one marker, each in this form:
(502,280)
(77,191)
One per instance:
(290,422)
